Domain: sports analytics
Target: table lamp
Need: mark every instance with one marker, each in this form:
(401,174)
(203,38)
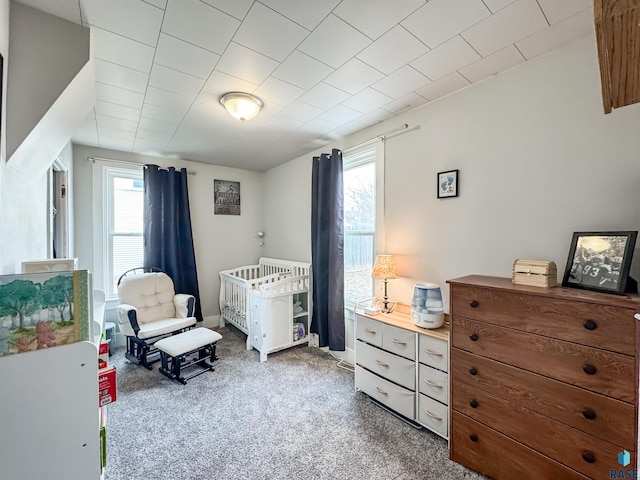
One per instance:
(385,269)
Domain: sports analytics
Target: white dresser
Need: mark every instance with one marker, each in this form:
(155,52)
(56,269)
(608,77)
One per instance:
(404,367)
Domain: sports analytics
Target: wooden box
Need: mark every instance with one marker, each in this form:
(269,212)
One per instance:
(536,273)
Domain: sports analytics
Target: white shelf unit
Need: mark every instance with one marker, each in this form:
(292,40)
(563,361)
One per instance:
(272,315)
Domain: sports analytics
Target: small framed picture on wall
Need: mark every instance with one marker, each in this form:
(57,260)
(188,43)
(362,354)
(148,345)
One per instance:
(448,184)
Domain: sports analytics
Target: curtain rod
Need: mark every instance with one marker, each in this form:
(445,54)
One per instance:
(124,162)
(381,137)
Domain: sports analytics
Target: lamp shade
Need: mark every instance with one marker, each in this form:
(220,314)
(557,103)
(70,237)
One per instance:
(242,106)
(385,268)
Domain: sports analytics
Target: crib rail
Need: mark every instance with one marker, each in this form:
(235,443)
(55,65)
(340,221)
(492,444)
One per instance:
(285,286)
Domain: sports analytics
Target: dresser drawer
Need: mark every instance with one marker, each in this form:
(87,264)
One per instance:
(399,341)
(392,367)
(583,452)
(433,415)
(485,450)
(601,326)
(369,330)
(433,383)
(609,373)
(609,419)
(395,397)
(433,352)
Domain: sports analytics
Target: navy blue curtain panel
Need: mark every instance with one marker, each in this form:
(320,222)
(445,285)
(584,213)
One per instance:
(327,250)
(168,239)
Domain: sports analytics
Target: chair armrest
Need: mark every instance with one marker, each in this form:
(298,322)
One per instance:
(185,305)
(128,319)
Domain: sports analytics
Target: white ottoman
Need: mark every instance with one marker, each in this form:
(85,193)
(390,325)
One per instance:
(175,349)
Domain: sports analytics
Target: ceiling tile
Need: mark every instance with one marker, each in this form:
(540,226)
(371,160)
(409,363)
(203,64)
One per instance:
(495,5)
(302,70)
(157,125)
(324,96)
(401,82)
(392,50)
(118,95)
(353,76)
(235,8)
(376,16)
(157,3)
(556,11)
(405,103)
(557,35)
(367,100)
(174,114)
(115,133)
(85,138)
(118,111)
(121,51)
(148,147)
(119,76)
(334,42)
(507,26)
(174,81)
(446,58)
(133,19)
(246,64)
(317,126)
(198,23)
(340,114)
(493,64)
(185,57)
(439,20)
(307,14)
(269,33)
(277,91)
(444,86)
(89,124)
(116,144)
(163,98)
(220,83)
(301,111)
(119,123)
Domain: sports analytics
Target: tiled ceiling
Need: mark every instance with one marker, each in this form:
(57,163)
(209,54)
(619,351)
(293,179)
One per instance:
(324,68)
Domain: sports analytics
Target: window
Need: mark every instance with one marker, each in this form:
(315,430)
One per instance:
(359,183)
(124,225)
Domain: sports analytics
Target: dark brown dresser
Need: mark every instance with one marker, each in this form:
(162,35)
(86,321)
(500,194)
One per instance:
(544,381)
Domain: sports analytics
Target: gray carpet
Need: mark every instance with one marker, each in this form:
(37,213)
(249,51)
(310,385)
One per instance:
(295,416)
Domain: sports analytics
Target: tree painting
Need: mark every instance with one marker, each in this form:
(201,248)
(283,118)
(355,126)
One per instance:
(19,298)
(57,292)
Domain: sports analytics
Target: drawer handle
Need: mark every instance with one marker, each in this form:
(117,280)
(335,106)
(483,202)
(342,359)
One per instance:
(588,456)
(590,325)
(473,371)
(589,413)
(432,415)
(473,437)
(370,331)
(382,364)
(474,337)
(381,391)
(428,382)
(474,303)
(589,369)
(432,352)
(398,342)
(473,404)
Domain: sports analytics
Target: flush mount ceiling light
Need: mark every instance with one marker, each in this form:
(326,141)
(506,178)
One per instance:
(242,106)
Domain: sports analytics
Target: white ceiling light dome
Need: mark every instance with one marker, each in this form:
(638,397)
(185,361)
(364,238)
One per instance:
(242,106)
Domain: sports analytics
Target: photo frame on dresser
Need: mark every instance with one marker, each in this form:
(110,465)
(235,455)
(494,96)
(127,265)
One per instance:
(600,261)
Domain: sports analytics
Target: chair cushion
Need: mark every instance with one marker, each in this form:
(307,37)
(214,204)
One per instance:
(151,293)
(187,341)
(167,325)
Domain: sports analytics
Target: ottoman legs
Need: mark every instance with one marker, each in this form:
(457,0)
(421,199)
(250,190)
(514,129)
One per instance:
(173,367)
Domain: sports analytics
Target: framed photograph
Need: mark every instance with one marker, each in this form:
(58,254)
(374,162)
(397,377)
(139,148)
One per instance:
(226,197)
(600,261)
(448,184)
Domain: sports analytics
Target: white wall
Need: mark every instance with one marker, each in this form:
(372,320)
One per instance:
(221,241)
(538,160)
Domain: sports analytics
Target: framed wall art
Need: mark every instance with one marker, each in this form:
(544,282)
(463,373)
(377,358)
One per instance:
(448,184)
(226,197)
(600,261)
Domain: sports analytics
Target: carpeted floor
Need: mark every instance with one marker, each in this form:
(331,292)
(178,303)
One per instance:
(295,416)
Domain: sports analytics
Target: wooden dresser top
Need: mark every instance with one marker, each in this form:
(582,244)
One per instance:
(564,293)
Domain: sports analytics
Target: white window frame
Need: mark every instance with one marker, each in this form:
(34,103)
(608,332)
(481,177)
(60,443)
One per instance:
(356,158)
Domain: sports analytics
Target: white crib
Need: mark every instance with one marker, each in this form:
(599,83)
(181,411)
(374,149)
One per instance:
(270,277)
